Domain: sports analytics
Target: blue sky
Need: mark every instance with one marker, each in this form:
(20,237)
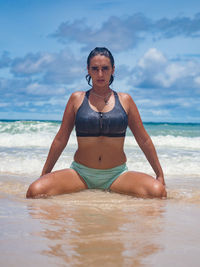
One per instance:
(45,43)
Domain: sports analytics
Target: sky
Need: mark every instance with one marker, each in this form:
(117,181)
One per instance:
(44,46)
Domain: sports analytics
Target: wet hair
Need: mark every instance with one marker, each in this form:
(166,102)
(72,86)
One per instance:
(103,51)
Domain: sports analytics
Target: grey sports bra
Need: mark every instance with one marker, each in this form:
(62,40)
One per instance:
(89,122)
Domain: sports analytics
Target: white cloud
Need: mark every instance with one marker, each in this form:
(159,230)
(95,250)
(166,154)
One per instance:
(54,68)
(122,33)
(161,102)
(154,70)
(152,57)
(126,35)
(197,80)
(31,63)
(171,73)
(159,112)
(44,89)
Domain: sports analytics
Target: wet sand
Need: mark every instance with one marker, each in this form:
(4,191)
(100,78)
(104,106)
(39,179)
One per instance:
(95,228)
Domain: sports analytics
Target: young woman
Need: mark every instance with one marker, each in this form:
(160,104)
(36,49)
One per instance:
(100,117)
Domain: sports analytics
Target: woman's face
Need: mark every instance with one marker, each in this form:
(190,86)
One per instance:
(100,70)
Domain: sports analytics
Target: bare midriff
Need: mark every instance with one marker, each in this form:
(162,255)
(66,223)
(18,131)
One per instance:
(100,152)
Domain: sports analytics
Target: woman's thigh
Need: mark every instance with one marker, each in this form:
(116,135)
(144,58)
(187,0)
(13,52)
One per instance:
(56,183)
(138,184)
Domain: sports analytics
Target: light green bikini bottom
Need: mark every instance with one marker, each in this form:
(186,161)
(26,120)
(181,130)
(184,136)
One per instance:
(98,178)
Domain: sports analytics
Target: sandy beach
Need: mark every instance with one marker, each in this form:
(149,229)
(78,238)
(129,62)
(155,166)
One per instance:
(96,228)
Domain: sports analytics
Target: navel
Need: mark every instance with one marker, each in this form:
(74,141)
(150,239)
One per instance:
(99,158)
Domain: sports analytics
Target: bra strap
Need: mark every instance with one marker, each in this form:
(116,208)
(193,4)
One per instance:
(87,93)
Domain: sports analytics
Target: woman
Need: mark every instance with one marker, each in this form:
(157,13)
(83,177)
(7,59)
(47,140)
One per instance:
(100,117)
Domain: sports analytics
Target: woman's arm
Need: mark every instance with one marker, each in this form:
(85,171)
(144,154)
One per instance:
(143,139)
(62,137)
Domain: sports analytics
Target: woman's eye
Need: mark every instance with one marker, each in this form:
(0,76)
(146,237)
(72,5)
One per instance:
(94,68)
(105,68)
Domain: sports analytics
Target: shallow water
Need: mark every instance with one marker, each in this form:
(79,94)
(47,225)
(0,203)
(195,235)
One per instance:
(95,228)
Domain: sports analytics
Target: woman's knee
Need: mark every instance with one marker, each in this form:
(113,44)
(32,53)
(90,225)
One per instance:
(159,189)
(35,190)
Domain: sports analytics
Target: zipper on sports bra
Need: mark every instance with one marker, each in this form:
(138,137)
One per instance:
(101,119)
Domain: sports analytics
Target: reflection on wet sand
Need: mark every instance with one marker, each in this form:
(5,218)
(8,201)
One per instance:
(100,229)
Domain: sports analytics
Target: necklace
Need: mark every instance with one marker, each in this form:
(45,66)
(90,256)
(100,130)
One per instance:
(105,98)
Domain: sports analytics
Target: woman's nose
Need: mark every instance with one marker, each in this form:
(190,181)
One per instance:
(100,72)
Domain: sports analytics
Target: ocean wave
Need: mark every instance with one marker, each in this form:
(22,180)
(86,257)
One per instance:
(44,139)
(24,146)
(154,129)
(170,141)
(30,140)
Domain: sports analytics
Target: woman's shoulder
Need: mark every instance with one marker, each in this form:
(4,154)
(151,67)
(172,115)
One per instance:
(77,94)
(76,99)
(124,95)
(126,101)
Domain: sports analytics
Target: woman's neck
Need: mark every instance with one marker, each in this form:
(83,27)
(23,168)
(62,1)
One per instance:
(101,90)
